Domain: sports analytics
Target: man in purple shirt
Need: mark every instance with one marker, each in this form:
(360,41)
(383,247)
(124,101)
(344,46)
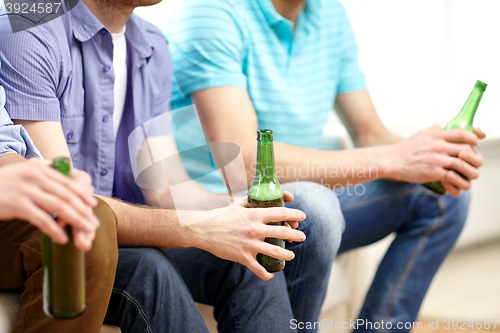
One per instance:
(29,192)
(61,82)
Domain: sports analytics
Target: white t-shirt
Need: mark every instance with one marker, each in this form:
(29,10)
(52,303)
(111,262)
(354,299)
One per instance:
(120,69)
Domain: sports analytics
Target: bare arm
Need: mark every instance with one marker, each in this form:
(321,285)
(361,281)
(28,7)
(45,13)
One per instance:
(240,126)
(365,127)
(233,233)
(425,157)
(362,121)
(11,158)
(195,196)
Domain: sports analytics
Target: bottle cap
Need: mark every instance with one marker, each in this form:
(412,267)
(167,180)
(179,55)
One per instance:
(265,134)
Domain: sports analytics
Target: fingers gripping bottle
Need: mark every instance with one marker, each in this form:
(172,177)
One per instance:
(462,121)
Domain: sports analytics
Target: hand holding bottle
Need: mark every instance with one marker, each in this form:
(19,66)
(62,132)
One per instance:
(462,121)
(237,234)
(32,191)
(242,201)
(431,155)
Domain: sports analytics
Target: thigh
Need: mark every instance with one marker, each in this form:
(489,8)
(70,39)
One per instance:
(20,248)
(212,280)
(25,268)
(203,273)
(149,295)
(375,209)
(242,301)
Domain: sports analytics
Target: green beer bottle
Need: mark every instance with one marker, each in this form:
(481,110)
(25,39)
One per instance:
(266,192)
(462,121)
(63,270)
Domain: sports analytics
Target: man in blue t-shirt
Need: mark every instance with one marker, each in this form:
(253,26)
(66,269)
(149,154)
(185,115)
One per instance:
(254,64)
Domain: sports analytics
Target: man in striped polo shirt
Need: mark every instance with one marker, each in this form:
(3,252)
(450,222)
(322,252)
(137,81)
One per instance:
(283,64)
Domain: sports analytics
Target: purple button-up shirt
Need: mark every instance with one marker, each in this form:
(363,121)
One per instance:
(14,139)
(63,71)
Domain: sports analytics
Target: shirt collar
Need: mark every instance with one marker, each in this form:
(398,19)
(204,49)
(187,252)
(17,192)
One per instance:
(270,13)
(137,37)
(311,12)
(85,24)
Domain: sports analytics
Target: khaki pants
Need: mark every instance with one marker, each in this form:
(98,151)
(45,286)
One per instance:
(20,267)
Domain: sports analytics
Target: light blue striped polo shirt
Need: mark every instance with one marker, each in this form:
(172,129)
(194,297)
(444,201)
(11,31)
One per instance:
(292,76)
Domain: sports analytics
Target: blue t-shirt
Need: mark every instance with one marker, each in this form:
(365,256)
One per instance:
(292,76)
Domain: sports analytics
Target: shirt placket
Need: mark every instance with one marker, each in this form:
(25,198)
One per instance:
(104,113)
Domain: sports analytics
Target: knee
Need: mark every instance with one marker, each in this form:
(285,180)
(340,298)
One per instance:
(155,263)
(103,257)
(456,210)
(325,222)
(449,212)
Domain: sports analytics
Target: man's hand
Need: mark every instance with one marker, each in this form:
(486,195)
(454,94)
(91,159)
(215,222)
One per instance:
(238,235)
(432,155)
(240,200)
(32,191)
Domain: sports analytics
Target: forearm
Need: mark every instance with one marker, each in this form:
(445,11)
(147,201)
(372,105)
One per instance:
(189,195)
(333,168)
(10,158)
(362,121)
(193,197)
(383,138)
(146,226)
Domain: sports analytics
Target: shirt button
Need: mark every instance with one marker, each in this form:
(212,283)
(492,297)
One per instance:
(104,32)
(104,172)
(105,119)
(69,136)
(107,68)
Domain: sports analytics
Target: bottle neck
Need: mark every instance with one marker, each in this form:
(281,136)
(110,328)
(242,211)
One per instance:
(470,107)
(265,170)
(62,165)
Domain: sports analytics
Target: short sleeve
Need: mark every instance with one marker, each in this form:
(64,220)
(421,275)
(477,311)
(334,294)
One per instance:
(162,103)
(206,45)
(351,78)
(30,72)
(14,138)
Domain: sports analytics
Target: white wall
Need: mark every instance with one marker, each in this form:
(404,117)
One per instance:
(421,57)
(157,14)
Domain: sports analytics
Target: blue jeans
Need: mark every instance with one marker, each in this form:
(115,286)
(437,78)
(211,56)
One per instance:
(427,226)
(155,290)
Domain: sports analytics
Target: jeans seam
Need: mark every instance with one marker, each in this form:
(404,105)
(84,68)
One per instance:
(232,309)
(26,308)
(411,263)
(298,258)
(136,304)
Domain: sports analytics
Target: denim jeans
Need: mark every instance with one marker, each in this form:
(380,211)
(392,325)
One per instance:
(426,225)
(155,290)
